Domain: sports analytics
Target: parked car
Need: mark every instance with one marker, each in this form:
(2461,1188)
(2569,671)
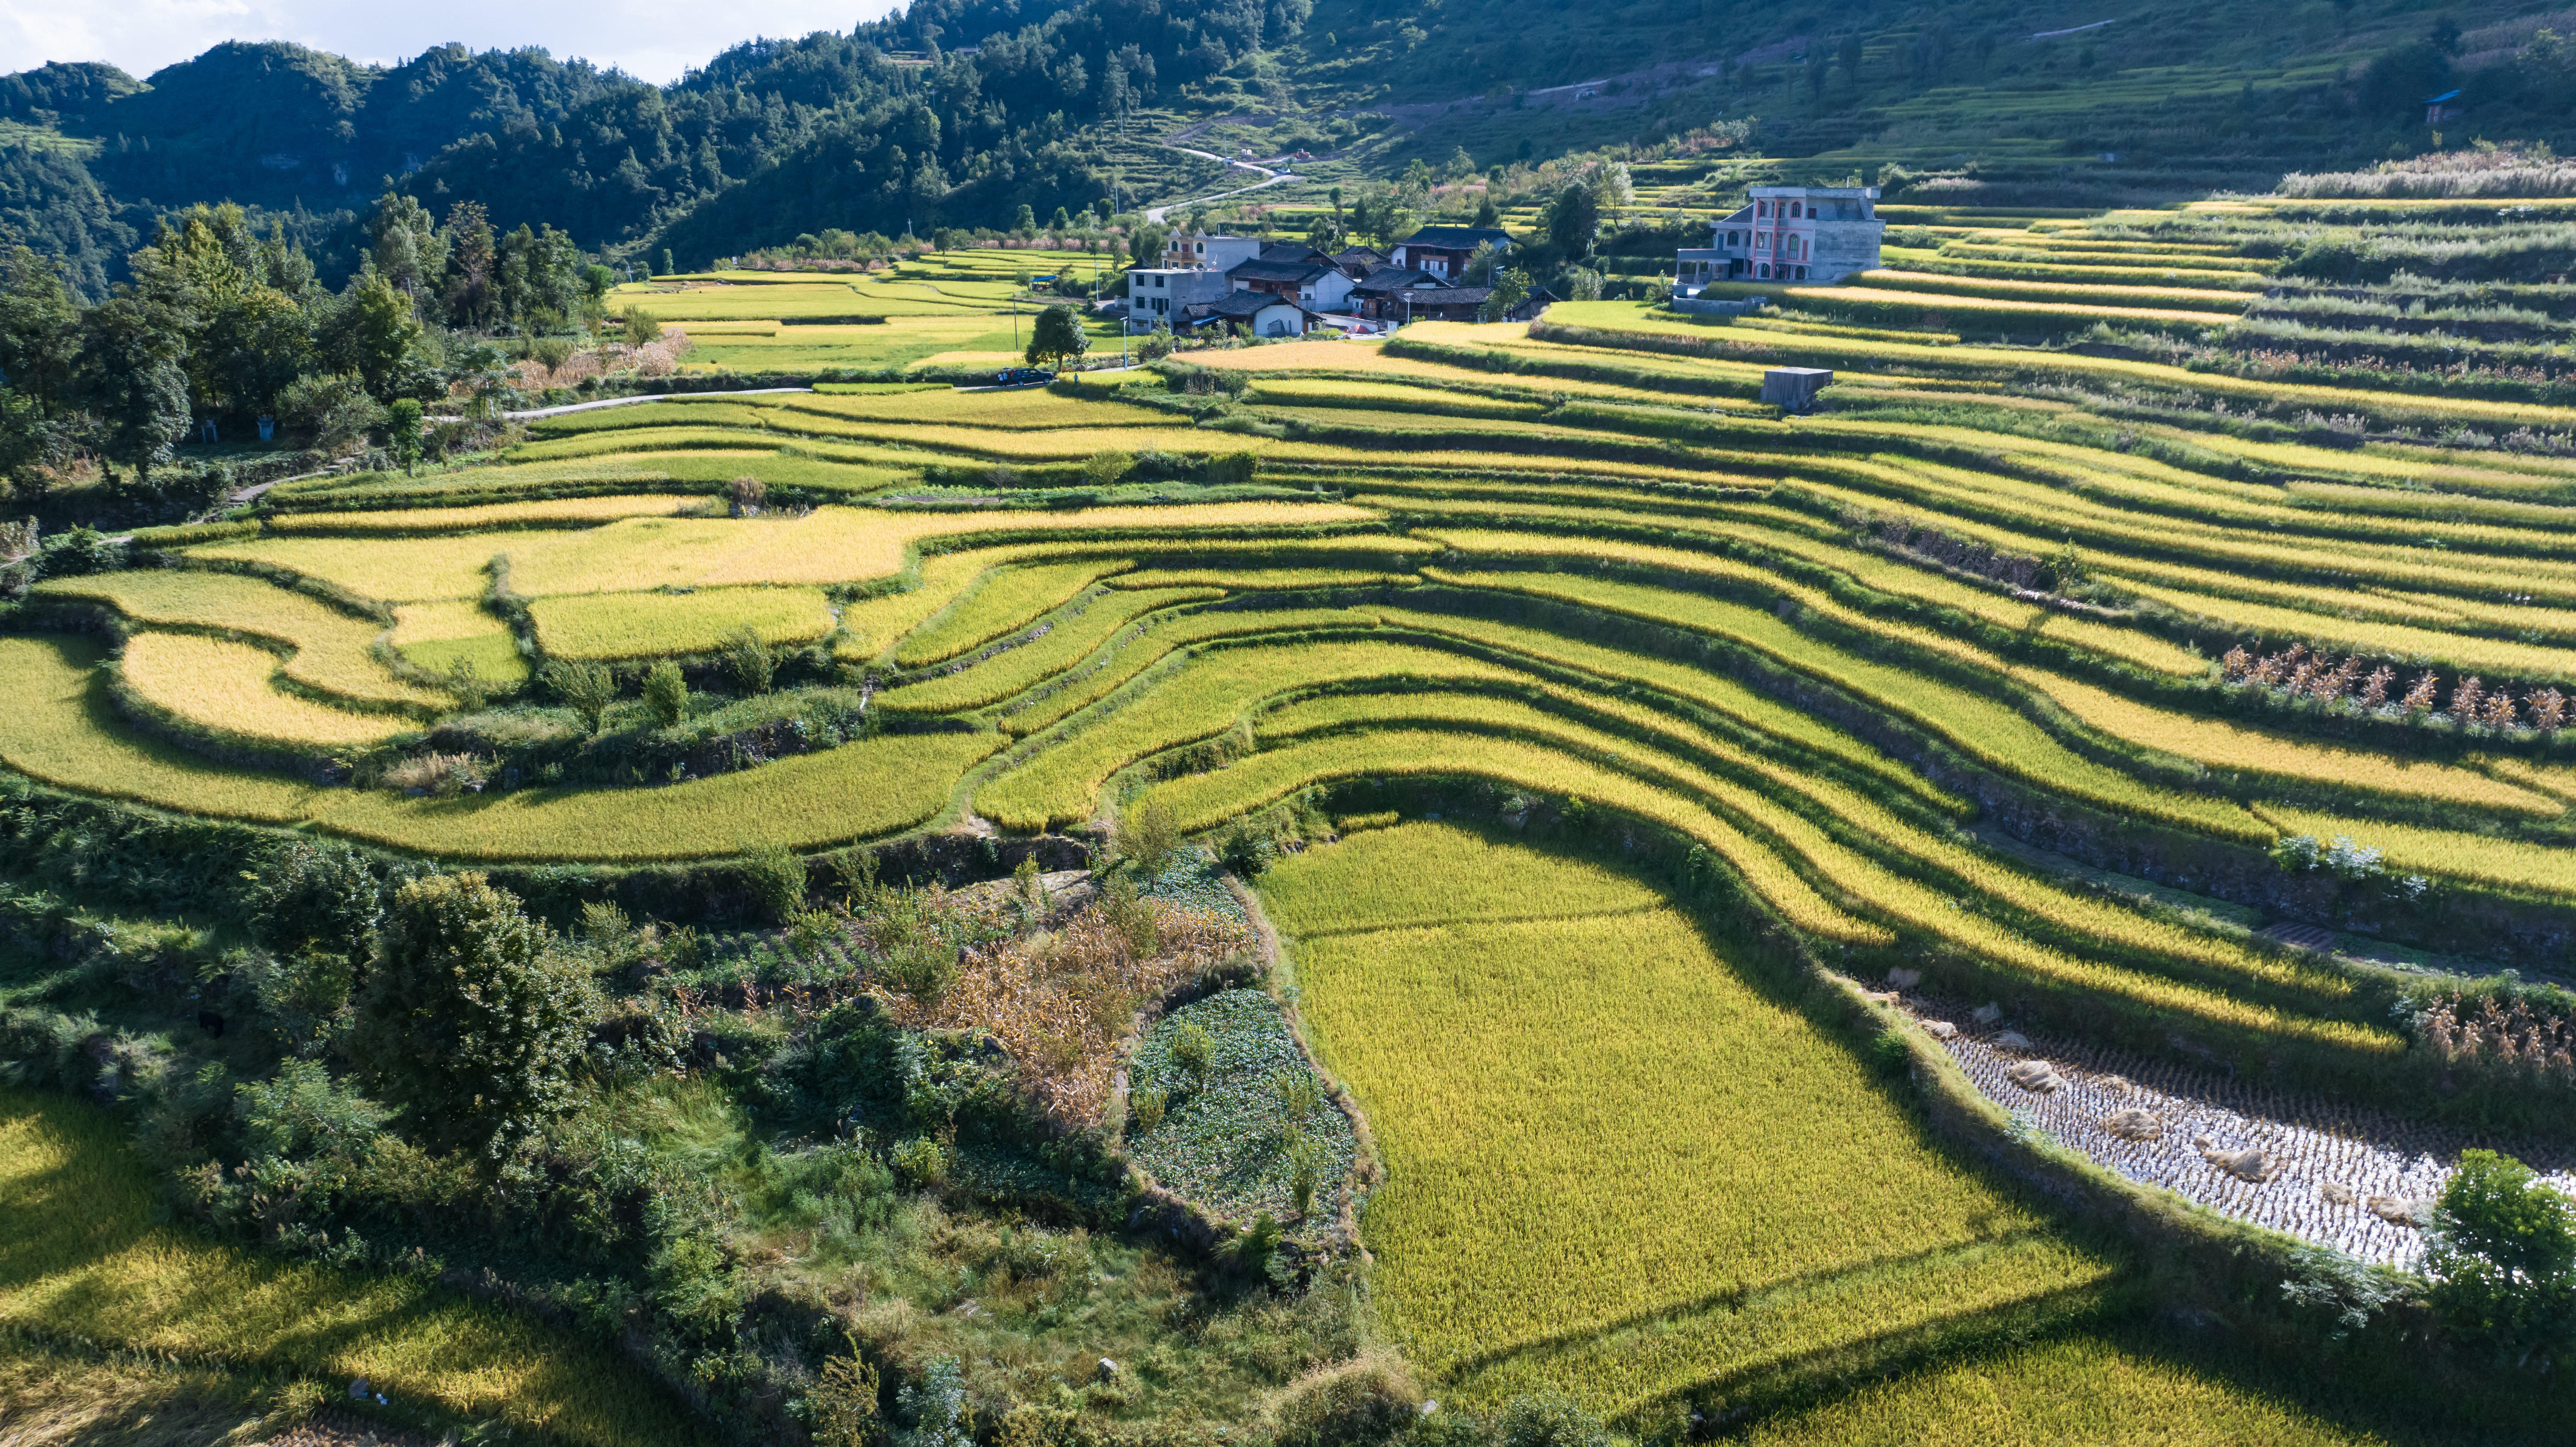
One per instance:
(1024,377)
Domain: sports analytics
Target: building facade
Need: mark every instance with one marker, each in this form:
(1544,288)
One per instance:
(1443,250)
(1216,253)
(1159,294)
(1788,233)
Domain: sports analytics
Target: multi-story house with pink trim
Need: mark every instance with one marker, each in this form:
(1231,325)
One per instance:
(1788,233)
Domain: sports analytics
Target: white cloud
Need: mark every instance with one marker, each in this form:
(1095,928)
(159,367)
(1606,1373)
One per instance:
(653,39)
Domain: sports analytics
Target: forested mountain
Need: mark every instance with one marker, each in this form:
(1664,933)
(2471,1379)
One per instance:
(958,112)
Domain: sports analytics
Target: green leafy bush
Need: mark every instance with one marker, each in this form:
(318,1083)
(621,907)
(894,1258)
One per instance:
(308,894)
(1549,1419)
(776,879)
(2501,1252)
(666,694)
(470,1021)
(1193,1050)
(586,688)
(752,662)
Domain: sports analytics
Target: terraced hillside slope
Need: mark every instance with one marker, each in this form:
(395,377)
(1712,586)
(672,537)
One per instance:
(2112,692)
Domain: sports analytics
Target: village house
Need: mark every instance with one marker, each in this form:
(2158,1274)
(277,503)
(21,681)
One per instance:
(1159,294)
(1788,233)
(1297,272)
(1358,261)
(1443,250)
(1257,313)
(1215,253)
(1375,295)
(1393,294)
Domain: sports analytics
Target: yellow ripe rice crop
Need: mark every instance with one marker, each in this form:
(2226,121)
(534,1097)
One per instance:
(614,626)
(2393,640)
(1614,317)
(1081,689)
(394,569)
(1339,392)
(1469,460)
(2075,1388)
(1711,691)
(547,513)
(2450,853)
(2125,644)
(2223,745)
(1201,699)
(1512,882)
(872,625)
(1919,286)
(1062,444)
(1738,1130)
(1009,410)
(227,687)
(1257,579)
(1860,878)
(1003,601)
(1202,801)
(728,441)
(861,790)
(438,635)
(1068,640)
(1726,570)
(65,732)
(1745,523)
(61,728)
(91,1256)
(1962,308)
(1988,731)
(829,545)
(688,412)
(333,651)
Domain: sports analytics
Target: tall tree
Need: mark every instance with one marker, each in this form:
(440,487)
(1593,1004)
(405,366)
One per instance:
(470,1020)
(1057,336)
(471,286)
(40,329)
(131,378)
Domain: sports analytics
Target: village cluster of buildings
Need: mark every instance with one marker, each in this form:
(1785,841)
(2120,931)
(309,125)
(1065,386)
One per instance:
(1285,289)
(1815,234)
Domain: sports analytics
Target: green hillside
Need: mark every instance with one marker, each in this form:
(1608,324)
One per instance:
(897,125)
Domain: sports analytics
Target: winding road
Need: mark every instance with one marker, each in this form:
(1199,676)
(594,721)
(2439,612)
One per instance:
(1155,214)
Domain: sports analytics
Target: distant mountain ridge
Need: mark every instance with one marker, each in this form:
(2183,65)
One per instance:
(958,112)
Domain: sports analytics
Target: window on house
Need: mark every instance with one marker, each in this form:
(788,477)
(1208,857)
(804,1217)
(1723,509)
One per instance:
(1802,273)
(1763,271)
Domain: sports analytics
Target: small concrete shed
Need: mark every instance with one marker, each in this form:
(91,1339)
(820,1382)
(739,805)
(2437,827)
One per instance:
(1794,388)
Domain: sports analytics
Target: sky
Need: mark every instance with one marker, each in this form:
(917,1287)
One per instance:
(653,40)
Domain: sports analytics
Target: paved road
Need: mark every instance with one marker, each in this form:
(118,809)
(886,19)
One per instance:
(1155,214)
(647,397)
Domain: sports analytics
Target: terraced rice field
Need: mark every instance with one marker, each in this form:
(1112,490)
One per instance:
(1501,1271)
(87,1257)
(2019,666)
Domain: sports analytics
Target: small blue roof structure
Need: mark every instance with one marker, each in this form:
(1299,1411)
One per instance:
(2434,100)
